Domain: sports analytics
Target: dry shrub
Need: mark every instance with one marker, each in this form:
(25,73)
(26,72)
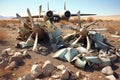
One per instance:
(99,20)
(5,22)
(2,23)
(63,21)
(3,35)
(90,19)
(75,20)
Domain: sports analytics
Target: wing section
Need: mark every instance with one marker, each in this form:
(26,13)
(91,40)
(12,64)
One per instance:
(83,14)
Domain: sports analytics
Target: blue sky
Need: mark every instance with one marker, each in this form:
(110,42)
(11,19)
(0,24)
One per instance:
(99,7)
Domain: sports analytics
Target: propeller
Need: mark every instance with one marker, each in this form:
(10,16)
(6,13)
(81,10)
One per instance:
(83,33)
(35,30)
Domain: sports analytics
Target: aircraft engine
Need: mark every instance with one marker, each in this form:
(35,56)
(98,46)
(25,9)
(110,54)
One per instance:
(65,14)
(49,14)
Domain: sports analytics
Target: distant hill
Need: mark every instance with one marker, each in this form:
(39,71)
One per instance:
(4,17)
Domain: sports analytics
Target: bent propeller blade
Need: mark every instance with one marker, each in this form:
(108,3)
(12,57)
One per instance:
(29,13)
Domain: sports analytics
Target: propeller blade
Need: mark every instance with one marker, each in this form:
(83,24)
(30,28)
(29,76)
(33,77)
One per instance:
(75,42)
(88,43)
(35,43)
(30,17)
(48,6)
(102,29)
(23,21)
(40,10)
(79,23)
(64,5)
(91,24)
(29,37)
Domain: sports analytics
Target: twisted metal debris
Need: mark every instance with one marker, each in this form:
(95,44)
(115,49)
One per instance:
(79,48)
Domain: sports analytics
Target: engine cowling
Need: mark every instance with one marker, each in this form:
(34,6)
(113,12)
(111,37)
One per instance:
(65,14)
(48,15)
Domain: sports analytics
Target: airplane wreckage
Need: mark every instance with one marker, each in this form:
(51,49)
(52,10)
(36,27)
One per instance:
(56,17)
(80,48)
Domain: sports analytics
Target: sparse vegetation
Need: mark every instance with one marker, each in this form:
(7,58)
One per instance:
(75,20)
(90,19)
(3,35)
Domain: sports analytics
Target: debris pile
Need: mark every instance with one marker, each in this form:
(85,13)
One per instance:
(10,59)
(48,71)
(83,46)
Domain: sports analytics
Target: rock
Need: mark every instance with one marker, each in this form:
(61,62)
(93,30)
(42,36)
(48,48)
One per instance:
(65,75)
(79,75)
(11,65)
(42,50)
(113,57)
(20,78)
(61,67)
(110,77)
(36,70)
(4,62)
(27,76)
(48,68)
(1,59)
(55,76)
(37,79)
(53,79)
(107,70)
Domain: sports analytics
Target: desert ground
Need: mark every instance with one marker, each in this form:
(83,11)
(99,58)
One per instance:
(8,35)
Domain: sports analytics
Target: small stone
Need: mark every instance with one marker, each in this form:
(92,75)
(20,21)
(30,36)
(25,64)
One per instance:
(48,68)
(3,62)
(42,49)
(78,74)
(110,77)
(1,59)
(20,78)
(27,76)
(36,70)
(55,76)
(61,67)
(37,79)
(113,57)
(65,75)
(107,70)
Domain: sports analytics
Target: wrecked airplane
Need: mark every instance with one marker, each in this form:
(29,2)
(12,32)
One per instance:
(82,47)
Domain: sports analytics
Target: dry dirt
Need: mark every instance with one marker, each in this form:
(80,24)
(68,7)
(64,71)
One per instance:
(8,34)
